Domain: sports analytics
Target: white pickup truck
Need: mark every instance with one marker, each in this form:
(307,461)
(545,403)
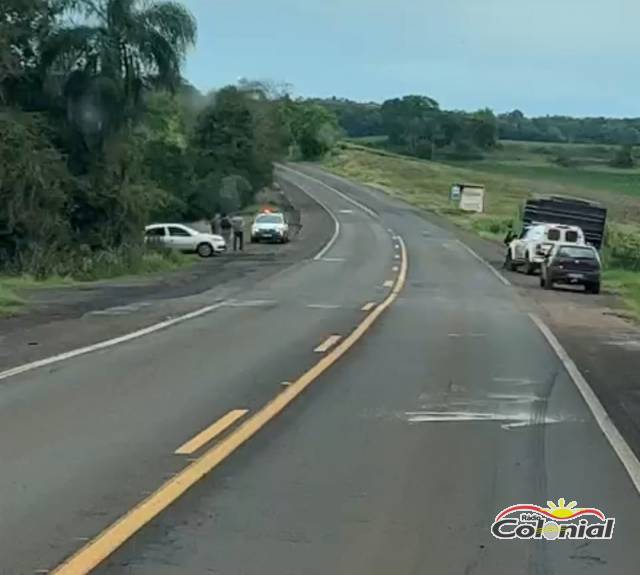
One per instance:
(530,249)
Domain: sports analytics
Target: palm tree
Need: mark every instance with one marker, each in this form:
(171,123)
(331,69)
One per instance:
(121,47)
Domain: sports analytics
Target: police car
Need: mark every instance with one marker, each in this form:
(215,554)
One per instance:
(271,226)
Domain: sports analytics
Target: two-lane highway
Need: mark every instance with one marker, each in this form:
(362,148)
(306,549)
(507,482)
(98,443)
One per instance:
(446,406)
(82,441)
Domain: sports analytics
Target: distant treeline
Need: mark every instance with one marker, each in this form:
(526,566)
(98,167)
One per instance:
(416,125)
(360,119)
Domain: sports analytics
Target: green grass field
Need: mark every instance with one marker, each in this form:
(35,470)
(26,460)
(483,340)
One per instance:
(510,175)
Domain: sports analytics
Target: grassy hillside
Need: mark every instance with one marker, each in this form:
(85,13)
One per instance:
(510,175)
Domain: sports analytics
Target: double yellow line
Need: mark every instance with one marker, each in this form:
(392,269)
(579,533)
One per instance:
(104,544)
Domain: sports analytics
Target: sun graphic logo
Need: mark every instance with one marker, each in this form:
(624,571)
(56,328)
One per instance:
(559,520)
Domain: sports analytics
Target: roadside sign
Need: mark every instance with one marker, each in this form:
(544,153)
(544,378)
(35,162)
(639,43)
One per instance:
(472,199)
(454,194)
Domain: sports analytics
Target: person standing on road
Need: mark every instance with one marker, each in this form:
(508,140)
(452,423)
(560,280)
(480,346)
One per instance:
(238,232)
(216,222)
(225,226)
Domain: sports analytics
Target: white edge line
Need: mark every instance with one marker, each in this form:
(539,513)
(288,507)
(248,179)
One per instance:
(336,222)
(356,203)
(608,428)
(108,343)
(495,272)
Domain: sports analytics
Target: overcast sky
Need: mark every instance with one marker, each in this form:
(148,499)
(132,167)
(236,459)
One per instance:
(575,57)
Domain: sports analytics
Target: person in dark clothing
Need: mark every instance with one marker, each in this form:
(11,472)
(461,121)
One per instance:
(238,233)
(225,226)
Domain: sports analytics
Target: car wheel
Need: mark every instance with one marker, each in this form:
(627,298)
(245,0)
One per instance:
(509,264)
(593,287)
(204,250)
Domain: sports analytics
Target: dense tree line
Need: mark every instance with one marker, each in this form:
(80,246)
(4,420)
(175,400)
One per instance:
(416,125)
(360,119)
(516,126)
(99,133)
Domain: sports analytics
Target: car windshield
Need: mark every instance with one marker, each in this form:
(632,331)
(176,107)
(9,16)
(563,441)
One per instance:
(269,219)
(577,253)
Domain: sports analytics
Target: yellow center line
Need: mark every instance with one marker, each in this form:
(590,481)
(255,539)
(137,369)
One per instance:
(369,306)
(103,545)
(211,432)
(328,343)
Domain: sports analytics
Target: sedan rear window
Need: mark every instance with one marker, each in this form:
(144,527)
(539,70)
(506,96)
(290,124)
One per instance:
(154,233)
(577,253)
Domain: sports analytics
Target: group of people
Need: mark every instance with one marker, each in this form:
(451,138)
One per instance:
(223,225)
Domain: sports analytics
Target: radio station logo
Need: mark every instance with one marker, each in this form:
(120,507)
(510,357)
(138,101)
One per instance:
(559,521)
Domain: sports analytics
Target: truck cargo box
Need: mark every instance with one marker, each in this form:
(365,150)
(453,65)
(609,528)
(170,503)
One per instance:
(590,216)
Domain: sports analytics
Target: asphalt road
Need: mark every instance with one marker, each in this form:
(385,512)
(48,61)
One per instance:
(395,460)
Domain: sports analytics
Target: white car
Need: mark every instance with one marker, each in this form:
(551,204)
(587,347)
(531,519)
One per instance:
(270,226)
(531,248)
(185,239)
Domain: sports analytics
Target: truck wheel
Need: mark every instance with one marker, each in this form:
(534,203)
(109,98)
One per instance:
(509,264)
(529,267)
(593,288)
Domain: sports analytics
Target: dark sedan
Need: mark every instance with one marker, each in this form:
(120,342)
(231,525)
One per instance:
(570,264)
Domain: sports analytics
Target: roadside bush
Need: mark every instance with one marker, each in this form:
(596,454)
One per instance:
(491,225)
(34,196)
(565,160)
(623,158)
(622,249)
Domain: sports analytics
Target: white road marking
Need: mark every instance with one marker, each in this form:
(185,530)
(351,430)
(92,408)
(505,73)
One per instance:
(369,306)
(121,309)
(494,271)
(285,383)
(356,203)
(397,256)
(336,222)
(518,380)
(632,345)
(334,260)
(323,306)
(396,246)
(388,284)
(395,268)
(345,211)
(109,342)
(328,343)
(608,428)
(467,335)
(250,303)
(510,420)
